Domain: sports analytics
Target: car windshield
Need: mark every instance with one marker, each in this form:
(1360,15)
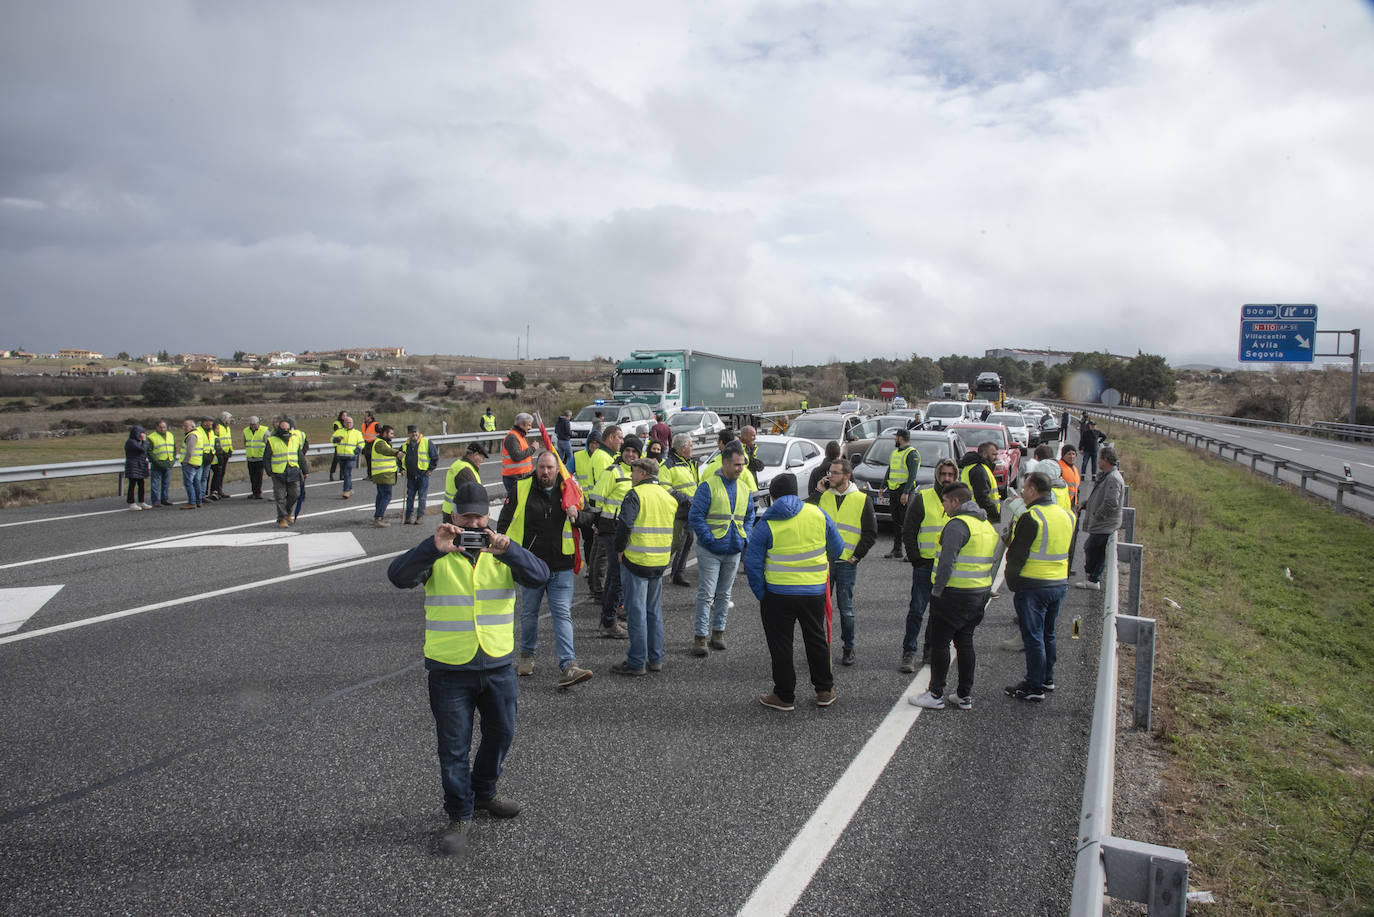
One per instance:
(685,421)
(1010,420)
(930,450)
(975,437)
(771,453)
(817,428)
(945,410)
(588,414)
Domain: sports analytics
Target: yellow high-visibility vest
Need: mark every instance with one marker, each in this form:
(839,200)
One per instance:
(966,475)
(193,455)
(847,516)
(797,557)
(611,488)
(285,452)
(516,531)
(932,524)
(651,536)
(451,481)
(224,438)
(467,606)
(382,464)
(164,446)
(973,563)
(896,467)
(1049,555)
(722,515)
(347,441)
(253,442)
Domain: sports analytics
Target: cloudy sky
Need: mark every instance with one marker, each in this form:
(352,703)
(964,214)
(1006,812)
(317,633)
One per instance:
(792,181)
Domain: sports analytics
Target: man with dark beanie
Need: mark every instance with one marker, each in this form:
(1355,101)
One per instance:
(786,559)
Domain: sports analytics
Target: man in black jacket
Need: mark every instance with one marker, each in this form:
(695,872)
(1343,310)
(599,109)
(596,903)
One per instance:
(535,519)
(984,486)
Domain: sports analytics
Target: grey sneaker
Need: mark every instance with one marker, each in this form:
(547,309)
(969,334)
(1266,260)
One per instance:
(574,674)
(717,640)
(615,631)
(497,807)
(928,700)
(699,646)
(525,666)
(908,665)
(654,666)
(963,703)
(847,658)
(623,668)
(380,523)
(454,840)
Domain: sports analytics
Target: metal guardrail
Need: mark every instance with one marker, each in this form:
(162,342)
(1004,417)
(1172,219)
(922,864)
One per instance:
(1322,428)
(1107,865)
(1301,473)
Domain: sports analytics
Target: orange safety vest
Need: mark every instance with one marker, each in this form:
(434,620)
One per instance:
(1071,478)
(369,430)
(511,468)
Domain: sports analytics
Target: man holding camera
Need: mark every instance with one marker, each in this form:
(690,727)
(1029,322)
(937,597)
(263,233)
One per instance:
(469,573)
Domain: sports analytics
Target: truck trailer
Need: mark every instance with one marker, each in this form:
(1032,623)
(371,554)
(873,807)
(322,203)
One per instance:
(671,380)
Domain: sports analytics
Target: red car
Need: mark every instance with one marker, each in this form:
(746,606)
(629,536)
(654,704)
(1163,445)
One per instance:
(1008,467)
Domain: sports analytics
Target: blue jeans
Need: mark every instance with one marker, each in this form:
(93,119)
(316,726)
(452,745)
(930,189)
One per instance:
(921,584)
(416,488)
(205,471)
(842,574)
(300,499)
(159,482)
(453,696)
(383,500)
(643,617)
(559,589)
(190,479)
(346,471)
(1037,611)
(715,579)
(565,452)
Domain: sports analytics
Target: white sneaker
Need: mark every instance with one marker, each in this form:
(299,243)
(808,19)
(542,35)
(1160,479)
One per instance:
(1088,584)
(135,506)
(147,506)
(927,700)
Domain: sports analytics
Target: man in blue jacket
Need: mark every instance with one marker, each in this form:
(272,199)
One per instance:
(787,559)
(722,515)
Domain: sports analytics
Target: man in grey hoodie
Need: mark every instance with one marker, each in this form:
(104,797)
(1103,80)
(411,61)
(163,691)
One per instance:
(960,590)
(1101,517)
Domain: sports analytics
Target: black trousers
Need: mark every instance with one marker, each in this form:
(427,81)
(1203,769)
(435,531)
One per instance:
(217,474)
(255,477)
(898,511)
(780,613)
(953,617)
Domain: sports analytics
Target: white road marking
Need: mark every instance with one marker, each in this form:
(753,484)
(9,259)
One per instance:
(103,512)
(303,550)
(1282,446)
(780,890)
(184,600)
(18,604)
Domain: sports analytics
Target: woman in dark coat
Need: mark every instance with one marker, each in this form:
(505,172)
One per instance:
(136,468)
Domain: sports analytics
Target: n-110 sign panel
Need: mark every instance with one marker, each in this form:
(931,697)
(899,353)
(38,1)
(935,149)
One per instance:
(1277,332)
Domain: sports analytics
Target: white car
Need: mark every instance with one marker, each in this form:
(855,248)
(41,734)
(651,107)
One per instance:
(793,455)
(1016,426)
(630,416)
(702,426)
(940,414)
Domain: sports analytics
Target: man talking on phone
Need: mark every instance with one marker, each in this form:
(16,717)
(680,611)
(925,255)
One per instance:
(469,573)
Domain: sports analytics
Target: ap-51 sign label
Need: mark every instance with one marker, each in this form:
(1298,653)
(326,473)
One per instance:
(1277,332)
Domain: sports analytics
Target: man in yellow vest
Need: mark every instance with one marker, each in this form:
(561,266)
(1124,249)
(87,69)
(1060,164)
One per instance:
(644,544)
(469,573)
(787,560)
(467,468)
(844,502)
(976,471)
(382,471)
(680,477)
(900,481)
(281,455)
(925,519)
(962,584)
(207,457)
(1038,574)
(609,492)
(192,458)
(536,520)
(224,447)
(254,441)
(348,442)
(721,516)
(489,426)
(418,455)
(162,450)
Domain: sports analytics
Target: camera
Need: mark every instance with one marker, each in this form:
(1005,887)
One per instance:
(472,540)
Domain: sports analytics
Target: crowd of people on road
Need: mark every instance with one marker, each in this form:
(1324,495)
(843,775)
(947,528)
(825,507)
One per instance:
(649,505)
(641,509)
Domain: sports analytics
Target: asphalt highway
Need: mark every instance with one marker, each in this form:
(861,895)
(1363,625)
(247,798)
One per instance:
(203,714)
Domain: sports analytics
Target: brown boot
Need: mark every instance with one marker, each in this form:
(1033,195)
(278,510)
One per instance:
(717,639)
(699,646)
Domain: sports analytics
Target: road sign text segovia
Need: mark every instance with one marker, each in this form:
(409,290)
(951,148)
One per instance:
(1277,332)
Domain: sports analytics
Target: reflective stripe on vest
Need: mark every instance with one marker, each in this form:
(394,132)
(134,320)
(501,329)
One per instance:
(253,441)
(932,524)
(516,531)
(973,563)
(369,430)
(451,481)
(1049,557)
(194,455)
(224,437)
(746,476)
(489,423)
(651,536)
(509,466)
(721,515)
(164,446)
(382,464)
(207,442)
(1073,479)
(284,452)
(347,442)
(468,606)
(680,476)
(847,516)
(966,475)
(896,468)
(582,470)
(797,557)
(611,488)
(422,456)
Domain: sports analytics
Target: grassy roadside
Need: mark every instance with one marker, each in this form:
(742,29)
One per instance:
(1265,682)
